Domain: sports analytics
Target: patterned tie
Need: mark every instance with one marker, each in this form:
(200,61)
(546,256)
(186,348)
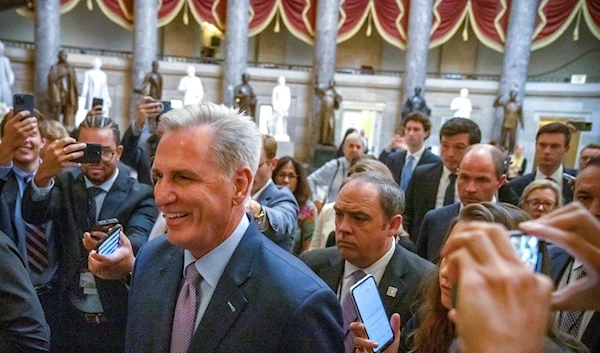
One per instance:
(407,172)
(349,313)
(185,312)
(91,211)
(570,321)
(36,244)
(449,195)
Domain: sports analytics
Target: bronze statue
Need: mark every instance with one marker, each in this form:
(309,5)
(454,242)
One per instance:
(62,90)
(513,115)
(245,99)
(330,101)
(415,103)
(152,85)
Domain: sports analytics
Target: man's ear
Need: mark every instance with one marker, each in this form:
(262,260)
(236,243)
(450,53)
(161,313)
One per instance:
(119,152)
(242,183)
(273,163)
(394,225)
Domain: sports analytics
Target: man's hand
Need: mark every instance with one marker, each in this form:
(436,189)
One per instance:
(95,111)
(574,229)
(115,266)
(59,155)
(502,306)
(254,208)
(91,239)
(17,130)
(363,344)
(147,108)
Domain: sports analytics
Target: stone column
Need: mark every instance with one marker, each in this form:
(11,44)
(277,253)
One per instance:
(236,47)
(516,56)
(144,44)
(417,47)
(47,45)
(323,65)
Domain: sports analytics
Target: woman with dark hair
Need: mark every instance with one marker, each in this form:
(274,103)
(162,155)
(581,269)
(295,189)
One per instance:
(290,173)
(430,330)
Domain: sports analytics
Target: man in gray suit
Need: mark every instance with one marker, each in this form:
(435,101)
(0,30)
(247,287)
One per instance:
(368,215)
(273,207)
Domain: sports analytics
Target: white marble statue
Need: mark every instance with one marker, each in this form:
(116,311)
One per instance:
(281,100)
(7,78)
(192,86)
(95,85)
(462,105)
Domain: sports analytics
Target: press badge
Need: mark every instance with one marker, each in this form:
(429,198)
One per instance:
(87,282)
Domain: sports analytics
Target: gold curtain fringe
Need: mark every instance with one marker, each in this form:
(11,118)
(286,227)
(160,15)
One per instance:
(277,27)
(90,5)
(369,23)
(465,32)
(186,19)
(576,30)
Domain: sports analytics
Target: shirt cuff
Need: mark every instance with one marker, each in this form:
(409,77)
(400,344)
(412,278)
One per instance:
(38,192)
(135,131)
(5,170)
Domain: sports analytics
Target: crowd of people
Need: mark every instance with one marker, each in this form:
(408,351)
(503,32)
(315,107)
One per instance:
(226,248)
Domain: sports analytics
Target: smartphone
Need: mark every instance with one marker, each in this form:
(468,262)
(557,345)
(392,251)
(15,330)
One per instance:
(166,106)
(105,225)
(371,312)
(582,125)
(110,242)
(97,101)
(528,249)
(92,154)
(23,102)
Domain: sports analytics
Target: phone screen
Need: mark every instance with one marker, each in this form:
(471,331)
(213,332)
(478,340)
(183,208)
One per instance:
(111,242)
(528,250)
(371,312)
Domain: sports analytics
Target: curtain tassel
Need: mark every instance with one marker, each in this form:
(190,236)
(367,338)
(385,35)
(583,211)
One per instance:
(465,32)
(186,19)
(369,24)
(90,5)
(277,27)
(576,30)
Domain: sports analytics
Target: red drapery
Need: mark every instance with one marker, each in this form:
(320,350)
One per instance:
(487,18)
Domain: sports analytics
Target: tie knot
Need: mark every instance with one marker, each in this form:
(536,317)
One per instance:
(27,178)
(411,158)
(191,274)
(94,191)
(452,177)
(358,275)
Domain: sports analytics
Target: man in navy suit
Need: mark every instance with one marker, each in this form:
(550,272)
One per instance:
(368,215)
(273,207)
(480,176)
(434,185)
(93,311)
(417,128)
(584,326)
(215,283)
(551,145)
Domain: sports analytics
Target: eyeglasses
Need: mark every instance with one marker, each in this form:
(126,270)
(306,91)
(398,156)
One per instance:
(107,154)
(291,176)
(536,203)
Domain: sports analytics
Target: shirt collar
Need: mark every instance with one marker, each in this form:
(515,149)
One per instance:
(212,264)
(417,155)
(376,269)
(260,191)
(20,173)
(494,200)
(106,186)
(446,172)
(557,175)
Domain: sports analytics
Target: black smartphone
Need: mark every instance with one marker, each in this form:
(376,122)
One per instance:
(23,102)
(528,249)
(105,225)
(371,312)
(110,242)
(582,125)
(166,106)
(97,101)
(92,154)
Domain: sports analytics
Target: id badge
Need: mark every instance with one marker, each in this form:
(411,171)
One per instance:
(87,283)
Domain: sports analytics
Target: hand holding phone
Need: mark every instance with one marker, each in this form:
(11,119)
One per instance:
(371,312)
(22,102)
(92,154)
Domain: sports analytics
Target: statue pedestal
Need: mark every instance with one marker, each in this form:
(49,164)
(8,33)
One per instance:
(322,155)
(285,148)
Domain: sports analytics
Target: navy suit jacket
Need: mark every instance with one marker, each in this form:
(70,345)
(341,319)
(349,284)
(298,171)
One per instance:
(129,201)
(404,272)
(281,209)
(395,161)
(23,327)
(433,232)
(266,301)
(519,184)
(136,157)
(421,195)
(559,261)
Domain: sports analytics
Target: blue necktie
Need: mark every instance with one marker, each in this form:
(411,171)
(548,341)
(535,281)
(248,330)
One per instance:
(407,172)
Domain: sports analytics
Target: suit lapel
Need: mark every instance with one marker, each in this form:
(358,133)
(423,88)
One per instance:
(430,193)
(80,204)
(567,192)
(10,194)
(392,278)
(266,195)
(332,275)
(114,197)
(400,161)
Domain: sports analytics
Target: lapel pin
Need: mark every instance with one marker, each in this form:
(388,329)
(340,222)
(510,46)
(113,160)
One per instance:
(391,292)
(231,306)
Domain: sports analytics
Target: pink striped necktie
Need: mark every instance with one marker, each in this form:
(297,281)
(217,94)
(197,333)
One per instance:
(185,312)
